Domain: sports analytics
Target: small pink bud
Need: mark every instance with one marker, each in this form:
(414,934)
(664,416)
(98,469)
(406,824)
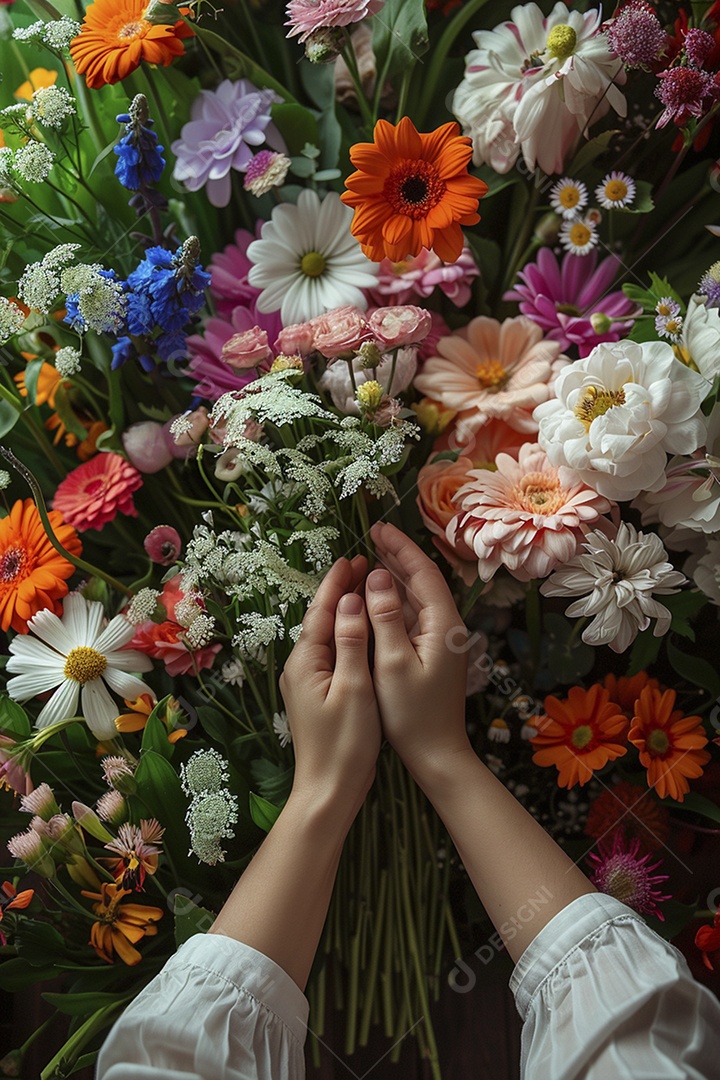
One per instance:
(145,446)
(163,544)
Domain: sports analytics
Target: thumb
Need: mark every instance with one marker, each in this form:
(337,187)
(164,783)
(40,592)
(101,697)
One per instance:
(388,621)
(352,632)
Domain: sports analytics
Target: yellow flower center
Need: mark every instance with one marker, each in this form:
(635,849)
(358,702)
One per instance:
(596,403)
(673,326)
(658,742)
(581,736)
(11,564)
(491,375)
(622,885)
(313,264)
(664,309)
(561,42)
(84,664)
(569,197)
(580,234)
(539,493)
(616,190)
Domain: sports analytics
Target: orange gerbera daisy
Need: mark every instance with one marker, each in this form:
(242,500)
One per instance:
(115,38)
(670,744)
(120,926)
(48,381)
(411,191)
(580,734)
(625,691)
(33,575)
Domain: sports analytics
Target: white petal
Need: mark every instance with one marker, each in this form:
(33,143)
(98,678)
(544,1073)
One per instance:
(27,654)
(128,686)
(50,628)
(61,706)
(33,683)
(128,660)
(116,634)
(99,709)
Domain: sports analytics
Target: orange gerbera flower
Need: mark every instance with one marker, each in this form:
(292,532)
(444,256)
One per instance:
(49,379)
(580,734)
(412,190)
(33,575)
(625,691)
(115,38)
(670,744)
(120,926)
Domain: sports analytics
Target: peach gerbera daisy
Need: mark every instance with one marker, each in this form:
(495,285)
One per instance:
(412,191)
(527,515)
(493,369)
(670,743)
(33,575)
(115,38)
(579,735)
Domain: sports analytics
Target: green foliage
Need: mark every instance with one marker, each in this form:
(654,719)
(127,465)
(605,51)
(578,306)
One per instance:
(695,669)
(13,719)
(155,736)
(263,813)
(568,658)
(399,36)
(190,919)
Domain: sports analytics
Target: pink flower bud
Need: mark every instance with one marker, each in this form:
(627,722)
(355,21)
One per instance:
(247,350)
(184,432)
(163,544)
(394,327)
(296,339)
(341,332)
(145,446)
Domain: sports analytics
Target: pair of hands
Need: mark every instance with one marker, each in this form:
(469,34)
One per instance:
(338,709)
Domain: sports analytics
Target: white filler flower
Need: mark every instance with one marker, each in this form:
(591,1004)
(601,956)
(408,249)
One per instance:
(615,580)
(618,413)
(75,657)
(307,260)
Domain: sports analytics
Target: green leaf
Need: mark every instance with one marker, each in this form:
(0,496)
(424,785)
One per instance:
(13,719)
(676,917)
(643,202)
(399,36)
(160,790)
(568,658)
(694,803)
(8,417)
(263,813)
(18,974)
(82,1004)
(65,411)
(274,781)
(644,651)
(36,941)
(297,125)
(155,736)
(302,166)
(32,374)
(238,65)
(190,919)
(693,668)
(591,150)
(101,156)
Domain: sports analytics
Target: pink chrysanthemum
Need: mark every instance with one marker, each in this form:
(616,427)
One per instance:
(527,516)
(685,92)
(492,369)
(562,298)
(214,376)
(421,274)
(636,35)
(307,16)
(97,491)
(619,872)
(699,45)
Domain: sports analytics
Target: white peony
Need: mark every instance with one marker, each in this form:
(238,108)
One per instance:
(619,412)
(701,337)
(615,580)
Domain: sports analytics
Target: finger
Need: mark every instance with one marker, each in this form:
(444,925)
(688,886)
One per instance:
(426,589)
(319,621)
(358,569)
(385,608)
(352,632)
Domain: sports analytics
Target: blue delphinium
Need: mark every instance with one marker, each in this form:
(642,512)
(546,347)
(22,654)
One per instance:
(140,157)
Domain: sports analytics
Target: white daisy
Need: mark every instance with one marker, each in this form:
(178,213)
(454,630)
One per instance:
(281,727)
(568,197)
(77,654)
(578,237)
(615,191)
(307,260)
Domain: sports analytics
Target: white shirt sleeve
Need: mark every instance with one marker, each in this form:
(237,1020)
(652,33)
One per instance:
(218,1010)
(604,998)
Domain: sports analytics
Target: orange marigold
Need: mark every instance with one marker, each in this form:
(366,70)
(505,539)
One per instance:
(633,809)
(33,575)
(120,926)
(412,190)
(580,734)
(670,743)
(115,38)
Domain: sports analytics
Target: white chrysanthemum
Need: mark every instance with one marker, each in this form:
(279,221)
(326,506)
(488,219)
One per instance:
(705,571)
(619,412)
(568,197)
(616,580)
(33,162)
(534,84)
(59,33)
(11,319)
(701,337)
(307,260)
(205,771)
(67,362)
(233,672)
(615,191)
(281,727)
(51,105)
(75,657)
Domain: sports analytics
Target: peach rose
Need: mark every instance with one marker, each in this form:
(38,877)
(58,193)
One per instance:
(247,350)
(394,327)
(438,482)
(340,333)
(297,339)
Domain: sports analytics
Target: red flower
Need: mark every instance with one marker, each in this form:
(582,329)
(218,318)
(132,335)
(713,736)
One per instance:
(97,491)
(707,940)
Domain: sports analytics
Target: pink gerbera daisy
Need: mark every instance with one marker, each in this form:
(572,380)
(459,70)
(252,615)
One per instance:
(229,270)
(492,369)
(569,299)
(527,516)
(97,491)
(619,872)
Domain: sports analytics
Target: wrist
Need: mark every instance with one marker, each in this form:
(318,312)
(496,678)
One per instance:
(441,768)
(330,807)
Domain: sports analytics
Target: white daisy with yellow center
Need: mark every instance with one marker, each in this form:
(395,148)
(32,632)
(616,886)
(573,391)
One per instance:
(615,191)
(76,656)
(579,237)
(568,197)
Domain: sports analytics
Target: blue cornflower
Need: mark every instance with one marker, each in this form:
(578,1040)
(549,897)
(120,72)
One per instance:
(140,162)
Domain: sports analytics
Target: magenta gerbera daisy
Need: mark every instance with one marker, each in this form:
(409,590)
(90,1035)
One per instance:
(620,871)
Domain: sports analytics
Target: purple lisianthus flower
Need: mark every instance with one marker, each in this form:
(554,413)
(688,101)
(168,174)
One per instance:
(571,301)
(224,125)
(214,376)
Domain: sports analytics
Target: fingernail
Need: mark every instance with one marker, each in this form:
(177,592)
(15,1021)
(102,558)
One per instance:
(350,604)
(379,581)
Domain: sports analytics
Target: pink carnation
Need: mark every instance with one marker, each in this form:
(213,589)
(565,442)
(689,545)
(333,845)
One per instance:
(421,274)
(307,16)
(247,349)
(527,516)
(493,369)
(97,491)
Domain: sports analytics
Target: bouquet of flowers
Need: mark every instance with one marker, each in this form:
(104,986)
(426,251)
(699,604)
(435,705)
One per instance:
(248,306)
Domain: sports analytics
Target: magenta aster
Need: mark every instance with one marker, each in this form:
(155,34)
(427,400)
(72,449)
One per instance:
(307,16)
(563,298)
(620,872)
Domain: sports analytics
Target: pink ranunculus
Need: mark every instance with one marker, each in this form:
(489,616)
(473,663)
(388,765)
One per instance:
(247,350)
(492,369)
(185,444)
(164,640)
(395,327)
(296,340)
(438,482)
(146,447)
(528,516)
(163,544)
(97,491)
(341,332)
(213,376)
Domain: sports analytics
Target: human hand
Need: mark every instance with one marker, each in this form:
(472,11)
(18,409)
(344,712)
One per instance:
(328,693)
(420,662)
